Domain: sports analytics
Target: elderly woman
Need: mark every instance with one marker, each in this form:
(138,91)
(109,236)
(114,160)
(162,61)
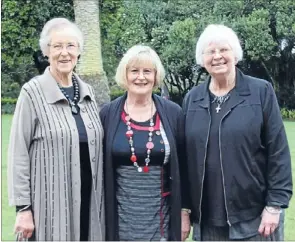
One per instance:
(55,152)
(143,155)
(239,164)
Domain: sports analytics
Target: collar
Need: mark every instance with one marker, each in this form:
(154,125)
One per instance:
(52,92)
(242,86)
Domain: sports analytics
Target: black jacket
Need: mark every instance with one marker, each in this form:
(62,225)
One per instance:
(172,119)
(254,152)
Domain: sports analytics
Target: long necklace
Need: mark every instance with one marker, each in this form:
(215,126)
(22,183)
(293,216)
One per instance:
(73,103)
(149,144)
(220,100)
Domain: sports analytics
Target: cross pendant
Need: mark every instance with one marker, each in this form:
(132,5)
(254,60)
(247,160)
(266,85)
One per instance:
(218,108)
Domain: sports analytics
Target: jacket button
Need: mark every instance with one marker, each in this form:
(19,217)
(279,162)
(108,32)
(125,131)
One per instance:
(162,150)
(92,142)
(83,110)
(93,159)
(90,126)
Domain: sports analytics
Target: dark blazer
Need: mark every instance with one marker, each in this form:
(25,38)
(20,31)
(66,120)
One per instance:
(254,152)
(172,119)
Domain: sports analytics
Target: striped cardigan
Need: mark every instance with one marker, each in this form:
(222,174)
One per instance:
(44,160)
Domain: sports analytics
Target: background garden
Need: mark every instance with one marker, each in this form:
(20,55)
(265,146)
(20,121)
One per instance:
(266,29)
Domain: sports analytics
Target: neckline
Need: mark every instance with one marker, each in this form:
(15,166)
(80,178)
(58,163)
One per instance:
(140,127)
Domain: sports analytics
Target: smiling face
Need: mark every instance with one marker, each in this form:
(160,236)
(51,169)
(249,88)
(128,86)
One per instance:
(219,59)
(63,51)
(141,77)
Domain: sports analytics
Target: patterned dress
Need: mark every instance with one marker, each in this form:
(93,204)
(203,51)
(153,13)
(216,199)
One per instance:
(142,198)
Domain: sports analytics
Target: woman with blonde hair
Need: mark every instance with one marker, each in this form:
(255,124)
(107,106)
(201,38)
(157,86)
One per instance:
(144,155)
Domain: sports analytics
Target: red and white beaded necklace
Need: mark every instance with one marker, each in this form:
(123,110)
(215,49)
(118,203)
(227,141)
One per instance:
(149,144)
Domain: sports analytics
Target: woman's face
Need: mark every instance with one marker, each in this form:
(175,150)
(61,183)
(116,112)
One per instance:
(219,59)
(141,79)
(63,51)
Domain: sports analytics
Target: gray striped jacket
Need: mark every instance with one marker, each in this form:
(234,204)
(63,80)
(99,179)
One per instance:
(44,160)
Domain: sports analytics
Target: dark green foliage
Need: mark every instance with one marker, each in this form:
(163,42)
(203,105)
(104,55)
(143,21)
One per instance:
(22,22)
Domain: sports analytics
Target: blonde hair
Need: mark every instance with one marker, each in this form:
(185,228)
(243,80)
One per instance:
(218,33)
(57,24)
(139,54)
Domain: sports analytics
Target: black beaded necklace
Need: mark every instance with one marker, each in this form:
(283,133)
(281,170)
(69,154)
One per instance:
(73,103)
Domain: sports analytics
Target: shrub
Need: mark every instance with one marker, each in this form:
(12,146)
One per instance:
(8,104)
(288,114)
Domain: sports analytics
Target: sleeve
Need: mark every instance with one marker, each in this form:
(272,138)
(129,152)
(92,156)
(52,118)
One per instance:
(183,168)
(18,163)
(279,172)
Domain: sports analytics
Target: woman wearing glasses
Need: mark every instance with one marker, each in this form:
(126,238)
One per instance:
(238,156)
(144,156)
(55,150)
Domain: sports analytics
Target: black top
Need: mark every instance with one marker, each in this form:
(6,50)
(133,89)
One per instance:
(172,119)
(78,119)
(213,204)
(85,169)
(121,148)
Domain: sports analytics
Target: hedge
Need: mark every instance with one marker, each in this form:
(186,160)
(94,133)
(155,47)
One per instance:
(8,105)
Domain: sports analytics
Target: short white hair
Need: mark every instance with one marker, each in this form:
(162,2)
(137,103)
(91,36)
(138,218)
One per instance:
(58,24)
(139,54)
(218,33)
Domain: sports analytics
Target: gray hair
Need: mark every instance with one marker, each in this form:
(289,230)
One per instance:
(135,55)
(218,33)
(57,24)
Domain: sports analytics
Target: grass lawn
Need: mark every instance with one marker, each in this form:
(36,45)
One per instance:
(8,213)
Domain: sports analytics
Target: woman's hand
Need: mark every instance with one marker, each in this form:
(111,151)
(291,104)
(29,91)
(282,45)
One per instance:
(185,225)
(269,222)
(24,224)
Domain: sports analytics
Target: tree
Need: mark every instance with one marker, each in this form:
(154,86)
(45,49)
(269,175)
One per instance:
(90,66)
(266,29)
(22,22)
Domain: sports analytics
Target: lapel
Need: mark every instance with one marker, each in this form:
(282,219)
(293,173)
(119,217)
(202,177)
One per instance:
(113,121)
(242,90)
(163,113)
(53,94)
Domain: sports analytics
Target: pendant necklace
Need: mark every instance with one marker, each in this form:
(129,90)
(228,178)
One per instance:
(149,144)
(73,103)
(220,100)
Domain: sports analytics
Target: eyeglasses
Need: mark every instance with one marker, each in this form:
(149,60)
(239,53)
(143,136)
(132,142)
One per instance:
(213,52)
(145,72)
(70,47)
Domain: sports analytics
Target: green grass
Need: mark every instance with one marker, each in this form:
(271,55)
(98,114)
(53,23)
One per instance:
(8,213)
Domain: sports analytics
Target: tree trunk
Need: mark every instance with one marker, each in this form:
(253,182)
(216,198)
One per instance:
(90,67)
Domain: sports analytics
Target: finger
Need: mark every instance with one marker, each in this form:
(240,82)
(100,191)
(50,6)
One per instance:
(273,228)
(261,229)
(29,235)
(24,234)
(19,235)
(183,236)
(267,230)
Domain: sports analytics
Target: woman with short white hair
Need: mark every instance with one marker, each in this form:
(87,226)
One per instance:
(144,156)
(239,164)
(55,177)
